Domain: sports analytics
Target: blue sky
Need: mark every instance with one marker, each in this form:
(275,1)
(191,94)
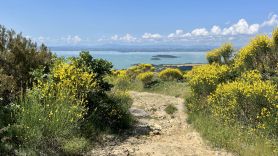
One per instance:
(186,22)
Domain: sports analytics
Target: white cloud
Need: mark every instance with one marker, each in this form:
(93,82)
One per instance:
(200,32)
(216,30)
(151,36)
(126,38)
(179,34)
(241,28)
(272,21)
(238,31)
(72,39)
(115,37)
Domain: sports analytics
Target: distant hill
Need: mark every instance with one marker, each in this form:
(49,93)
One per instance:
(134,48)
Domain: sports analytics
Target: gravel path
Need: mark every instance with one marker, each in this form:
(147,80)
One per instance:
(158,133)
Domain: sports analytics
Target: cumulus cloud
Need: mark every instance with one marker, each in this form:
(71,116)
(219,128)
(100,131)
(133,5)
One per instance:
(126,38)
(241,28)
(216,30)
(72,39)
(151,36)
(272,21)
(179,34)
(200,32)
(115,37)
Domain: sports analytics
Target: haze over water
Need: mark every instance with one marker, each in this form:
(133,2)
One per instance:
(122,60)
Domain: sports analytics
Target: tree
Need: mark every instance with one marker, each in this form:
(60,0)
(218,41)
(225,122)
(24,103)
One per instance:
(19,56)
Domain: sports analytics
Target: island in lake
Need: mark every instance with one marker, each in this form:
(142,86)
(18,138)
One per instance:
(164,56)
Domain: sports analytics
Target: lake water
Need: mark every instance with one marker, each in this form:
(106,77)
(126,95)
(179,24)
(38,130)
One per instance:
(123,60)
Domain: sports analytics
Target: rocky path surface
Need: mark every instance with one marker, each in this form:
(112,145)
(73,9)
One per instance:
(157,133)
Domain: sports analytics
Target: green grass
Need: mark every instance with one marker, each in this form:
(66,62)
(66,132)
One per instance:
(171,88)
(233,138)
(170,109)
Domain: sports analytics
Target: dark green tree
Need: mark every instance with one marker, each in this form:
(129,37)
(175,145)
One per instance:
(19,56)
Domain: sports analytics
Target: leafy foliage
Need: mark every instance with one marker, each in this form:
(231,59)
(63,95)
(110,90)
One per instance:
(110,113)
(147,78)
(169,74)
(133,71)
(257,55)
(218,55)
(248,100)
(52,110)
(18,57)
(213,57)
(244,90)
(204,79)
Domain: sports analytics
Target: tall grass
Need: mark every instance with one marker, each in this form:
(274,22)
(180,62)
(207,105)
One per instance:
(235,138)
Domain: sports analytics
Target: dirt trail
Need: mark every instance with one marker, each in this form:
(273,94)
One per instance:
(158,133)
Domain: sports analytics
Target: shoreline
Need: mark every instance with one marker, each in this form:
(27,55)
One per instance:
(183,67)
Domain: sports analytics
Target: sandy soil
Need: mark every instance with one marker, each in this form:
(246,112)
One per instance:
(158,133)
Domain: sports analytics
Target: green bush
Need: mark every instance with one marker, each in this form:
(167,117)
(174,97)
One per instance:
(111,113)
(220,55)
(122,83)
(133,71)
(204,79)
(52,110)
(42,123)
(249,100)
(147,78)
(214,56)
(257,55)
(170,74)
(19,56)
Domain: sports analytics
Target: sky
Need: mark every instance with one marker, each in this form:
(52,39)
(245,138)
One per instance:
(139,22)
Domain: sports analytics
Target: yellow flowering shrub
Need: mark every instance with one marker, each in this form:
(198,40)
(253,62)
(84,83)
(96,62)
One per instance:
(214,56)
(226,51)
(204,79)
(55,105)
(68,75)
(248,100)
(256,55)
(120,73)
(222,53)
(275,48)
(169,74)
(275,37)
(147,78)
(133,71)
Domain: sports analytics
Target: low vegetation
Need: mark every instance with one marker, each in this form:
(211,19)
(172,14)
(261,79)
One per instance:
(170,109)
(168,81)
(170,74)
(234,98)
(53,105)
